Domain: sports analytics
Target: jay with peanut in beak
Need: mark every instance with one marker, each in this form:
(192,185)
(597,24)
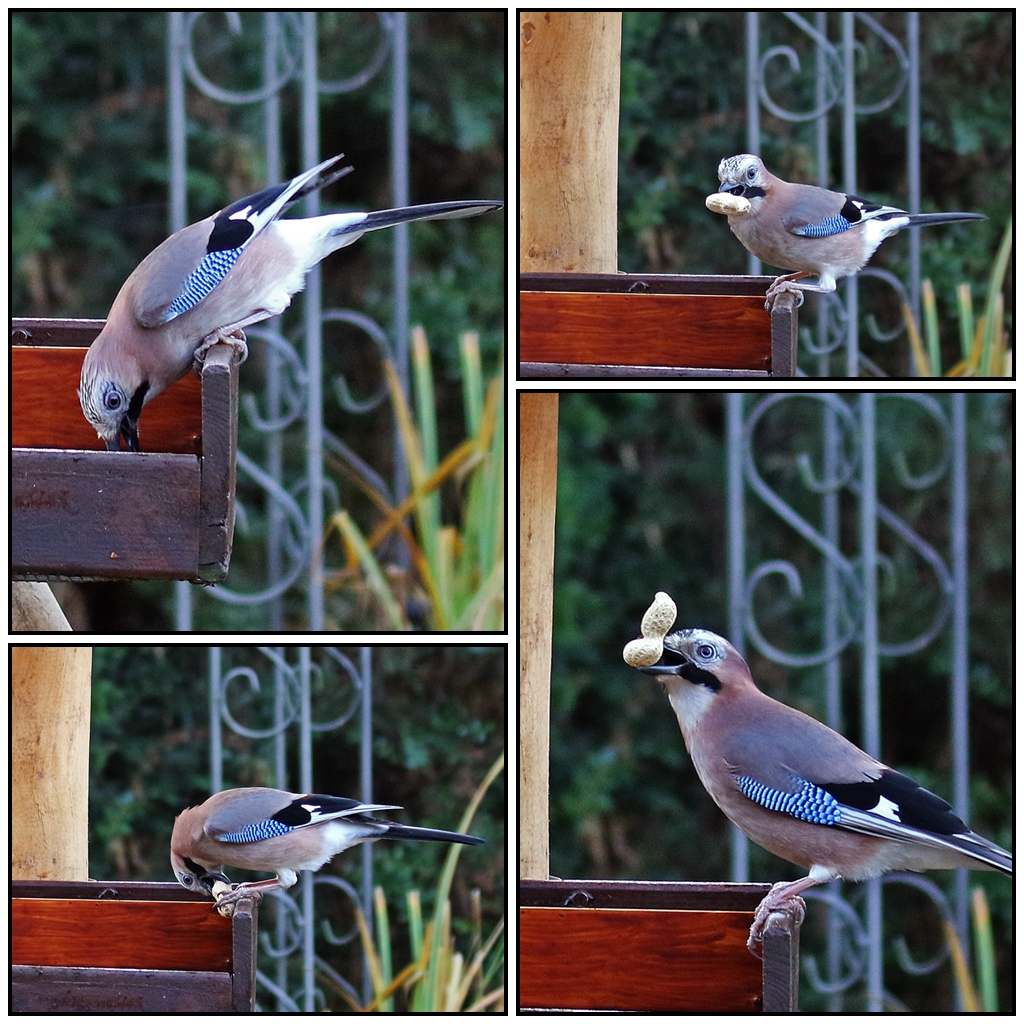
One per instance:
(806,229)
(262,829)
(212,279)
(797,788)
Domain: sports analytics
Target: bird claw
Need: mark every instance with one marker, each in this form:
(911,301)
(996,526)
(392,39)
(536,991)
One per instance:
(781,287)
(775,900)
(235,339)
(227,896)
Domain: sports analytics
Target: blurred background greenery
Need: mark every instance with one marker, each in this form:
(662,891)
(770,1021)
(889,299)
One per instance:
(642,507)
(438,726)
(89,169)
(684,109)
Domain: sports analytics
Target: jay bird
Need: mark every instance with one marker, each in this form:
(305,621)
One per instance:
(262,829)
(800,790)
(210,280)
(810,230)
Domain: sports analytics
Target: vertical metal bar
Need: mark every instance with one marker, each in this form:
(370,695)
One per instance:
(958,681)
(850,181)
(737,580)
(821,138)
(869,669)
(306,786)
(914,164)
(314,339)
(753,107)
(913,151)
(400,235)
(177,214)
(833,695)
(274,365)
(216,776)
(281,781)
(366,793)
(176,120)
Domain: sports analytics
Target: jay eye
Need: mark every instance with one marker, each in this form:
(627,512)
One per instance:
(705,651)
(112,400)
(187,880)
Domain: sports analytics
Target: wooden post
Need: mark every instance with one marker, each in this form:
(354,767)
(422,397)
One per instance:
(50,701)
(538,464)
(34,609)
(568,153)
(568,140)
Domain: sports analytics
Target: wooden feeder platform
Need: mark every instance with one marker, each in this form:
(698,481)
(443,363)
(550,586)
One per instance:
(128,947)
(662,947)
(81,512)
(574,326)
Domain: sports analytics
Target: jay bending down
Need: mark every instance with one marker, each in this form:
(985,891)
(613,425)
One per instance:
(212,279)
(263,829)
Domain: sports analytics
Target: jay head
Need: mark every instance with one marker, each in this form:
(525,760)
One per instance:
(212,279)
(799,789)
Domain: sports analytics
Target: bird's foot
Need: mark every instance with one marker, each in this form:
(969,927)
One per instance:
(781,896)
(784,285)
(224,906)
(227,896)
(235,338)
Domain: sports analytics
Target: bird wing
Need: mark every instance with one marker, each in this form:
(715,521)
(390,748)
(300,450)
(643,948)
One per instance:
(257,813)
(181,271)
(818,213)
(799,767)
(894,806)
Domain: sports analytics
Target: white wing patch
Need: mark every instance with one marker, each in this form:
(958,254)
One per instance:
(885,808)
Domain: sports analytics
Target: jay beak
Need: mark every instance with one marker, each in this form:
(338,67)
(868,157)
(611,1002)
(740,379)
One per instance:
(261,829)
(810,230)
(210,280)
(800,790)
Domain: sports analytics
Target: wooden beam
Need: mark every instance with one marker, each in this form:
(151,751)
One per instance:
(731,332)
(45,412)
(538,468)
(34,609)
(652,960)
(50,701)
(568,140)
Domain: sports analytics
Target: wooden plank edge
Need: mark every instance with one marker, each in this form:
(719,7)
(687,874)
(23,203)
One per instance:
(584,371)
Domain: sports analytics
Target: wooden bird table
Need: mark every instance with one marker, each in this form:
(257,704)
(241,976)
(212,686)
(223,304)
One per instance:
(575,326)
(80,512)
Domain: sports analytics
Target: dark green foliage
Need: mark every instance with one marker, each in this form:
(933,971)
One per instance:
(642,507)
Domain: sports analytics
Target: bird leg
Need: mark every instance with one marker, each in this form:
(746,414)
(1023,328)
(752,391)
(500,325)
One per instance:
(781,896)
(785,283)
(788,283)
(245,889)
(235,338)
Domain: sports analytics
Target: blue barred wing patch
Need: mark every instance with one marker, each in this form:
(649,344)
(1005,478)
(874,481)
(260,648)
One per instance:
(829,226)
(254,833)
(809,803)
(212,269)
